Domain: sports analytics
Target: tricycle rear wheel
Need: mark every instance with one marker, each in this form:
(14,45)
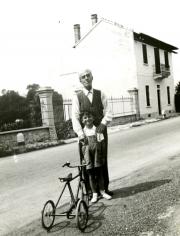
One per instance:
(48,215)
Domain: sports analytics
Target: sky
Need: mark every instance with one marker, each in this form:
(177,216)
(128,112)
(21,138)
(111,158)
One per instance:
(35,34)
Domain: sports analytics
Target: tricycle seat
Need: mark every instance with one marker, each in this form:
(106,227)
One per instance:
(65,179)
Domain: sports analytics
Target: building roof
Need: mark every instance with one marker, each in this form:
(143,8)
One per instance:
(144,38)
(96,25)
(137,36)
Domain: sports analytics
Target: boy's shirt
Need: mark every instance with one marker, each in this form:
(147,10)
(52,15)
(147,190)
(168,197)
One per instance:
(92,131)
(89,131)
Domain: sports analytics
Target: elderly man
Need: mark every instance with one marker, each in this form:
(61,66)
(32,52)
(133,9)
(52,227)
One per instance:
(95,101)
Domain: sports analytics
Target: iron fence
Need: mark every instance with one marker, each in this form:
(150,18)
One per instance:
(121,106)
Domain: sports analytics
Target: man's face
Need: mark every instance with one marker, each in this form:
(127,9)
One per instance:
(86,79)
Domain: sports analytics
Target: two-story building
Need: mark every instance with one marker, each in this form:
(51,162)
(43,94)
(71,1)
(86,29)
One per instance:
(122,61)
(155,80)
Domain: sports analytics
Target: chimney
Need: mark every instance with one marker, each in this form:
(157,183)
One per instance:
(77,33)
(94,19)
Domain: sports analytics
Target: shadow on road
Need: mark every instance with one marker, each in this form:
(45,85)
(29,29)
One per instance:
(96,217)
(60,225)
(129,191)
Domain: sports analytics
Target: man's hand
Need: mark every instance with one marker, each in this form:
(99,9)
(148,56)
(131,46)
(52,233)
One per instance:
(101,128)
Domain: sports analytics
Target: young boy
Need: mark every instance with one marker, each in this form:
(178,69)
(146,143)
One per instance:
(93,151)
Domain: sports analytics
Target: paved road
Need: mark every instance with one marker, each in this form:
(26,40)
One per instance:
(29,180)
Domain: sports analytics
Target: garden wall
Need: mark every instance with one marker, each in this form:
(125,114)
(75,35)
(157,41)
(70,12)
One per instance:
(9,141)
(31,135)
(123,120)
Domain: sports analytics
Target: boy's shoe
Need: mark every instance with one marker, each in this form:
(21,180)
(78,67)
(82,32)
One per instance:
(105,195)
(94,198)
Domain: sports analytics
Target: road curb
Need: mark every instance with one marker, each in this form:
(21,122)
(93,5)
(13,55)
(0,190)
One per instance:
(68,141)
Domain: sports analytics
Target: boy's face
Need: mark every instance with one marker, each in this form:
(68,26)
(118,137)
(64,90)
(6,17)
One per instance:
(87,120)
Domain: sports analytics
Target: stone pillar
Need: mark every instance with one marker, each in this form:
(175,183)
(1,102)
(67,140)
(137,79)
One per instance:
(134,94)
(45,95)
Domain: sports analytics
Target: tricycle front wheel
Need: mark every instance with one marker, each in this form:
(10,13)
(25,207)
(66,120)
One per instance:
(81,215)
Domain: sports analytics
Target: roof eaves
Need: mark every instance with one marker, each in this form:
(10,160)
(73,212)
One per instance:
(144,38)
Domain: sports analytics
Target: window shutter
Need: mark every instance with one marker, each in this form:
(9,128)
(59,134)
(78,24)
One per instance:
(166,59)
(157,60)
(144,48)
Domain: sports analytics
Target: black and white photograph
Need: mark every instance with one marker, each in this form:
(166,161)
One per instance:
(89,118)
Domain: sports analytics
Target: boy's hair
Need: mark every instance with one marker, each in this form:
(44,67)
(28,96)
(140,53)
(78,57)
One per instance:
(86,113)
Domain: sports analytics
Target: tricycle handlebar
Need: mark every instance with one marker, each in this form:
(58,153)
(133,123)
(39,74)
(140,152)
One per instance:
(68,164)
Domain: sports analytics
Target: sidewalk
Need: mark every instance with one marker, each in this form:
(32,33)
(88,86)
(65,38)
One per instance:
(113,129)
(130,125)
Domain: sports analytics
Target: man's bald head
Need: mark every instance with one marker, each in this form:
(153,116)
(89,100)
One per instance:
(86,78)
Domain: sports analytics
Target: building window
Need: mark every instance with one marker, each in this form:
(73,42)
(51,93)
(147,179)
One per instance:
(157,61)
(166,59)
(168,95)
(147,96)
(144,49)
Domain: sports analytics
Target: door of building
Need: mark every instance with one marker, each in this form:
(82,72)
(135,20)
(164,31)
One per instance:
(159,99)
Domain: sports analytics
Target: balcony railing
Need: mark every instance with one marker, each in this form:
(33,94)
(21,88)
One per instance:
(164,72)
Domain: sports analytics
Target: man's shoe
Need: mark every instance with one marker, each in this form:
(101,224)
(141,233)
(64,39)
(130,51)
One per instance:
(105,195)
(109,192)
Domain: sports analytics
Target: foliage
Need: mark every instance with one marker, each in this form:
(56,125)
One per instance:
(177,97)
(57,99)
(14,126)
(27,109)
(42,145)
(177,88)
(12,107)
(34,105)
(64,130)
(32,92)
(58,109)
(5,150)
(15,107)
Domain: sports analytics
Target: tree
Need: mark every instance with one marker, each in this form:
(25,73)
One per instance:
(177,88)
(177,97)
(12,107)
(32,92)
(57,101)
(34,104)
(3,91)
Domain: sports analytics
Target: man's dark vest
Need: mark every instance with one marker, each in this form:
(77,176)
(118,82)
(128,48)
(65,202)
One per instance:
(96,107)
